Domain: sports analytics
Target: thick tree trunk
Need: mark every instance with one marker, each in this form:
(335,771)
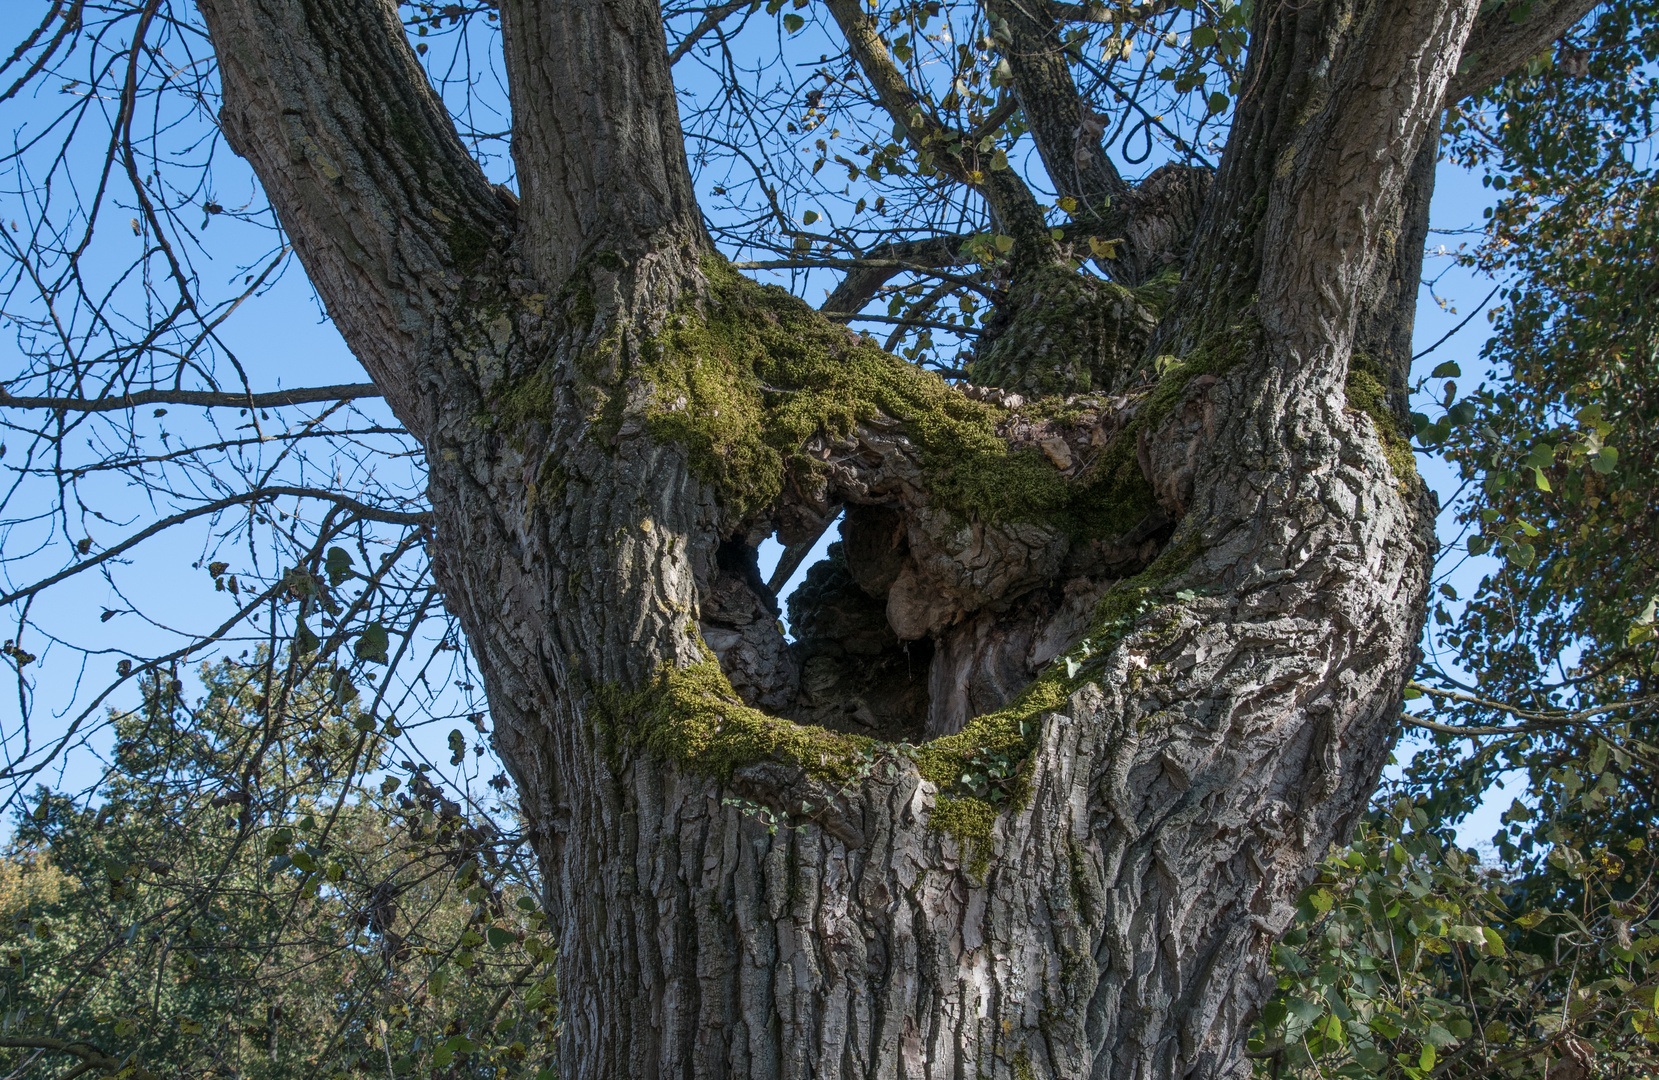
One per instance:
(1214,656)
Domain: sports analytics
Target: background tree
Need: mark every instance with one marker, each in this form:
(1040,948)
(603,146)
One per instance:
(1164,561)
(184,928)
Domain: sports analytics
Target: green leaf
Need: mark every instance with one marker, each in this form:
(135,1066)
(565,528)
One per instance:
(1203,36)
(1218,103)
(793,22)
(1494,942)
(1447,370)
(809,217)
(371,645)
(1004,244)
(1541,480)
(337,565)
(499,938)
(1304,1010)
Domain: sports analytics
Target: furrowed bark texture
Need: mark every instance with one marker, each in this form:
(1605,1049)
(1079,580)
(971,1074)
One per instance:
(1227,727)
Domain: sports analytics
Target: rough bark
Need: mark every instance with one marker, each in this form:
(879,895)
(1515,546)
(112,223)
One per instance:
(1222,721)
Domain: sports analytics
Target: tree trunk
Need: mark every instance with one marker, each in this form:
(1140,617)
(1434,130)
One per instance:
(1179,619)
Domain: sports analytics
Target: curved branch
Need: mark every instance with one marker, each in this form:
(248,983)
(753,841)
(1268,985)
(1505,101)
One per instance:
(714,18)
(360,509)
(1498,44)
(206,398)
(1013,203)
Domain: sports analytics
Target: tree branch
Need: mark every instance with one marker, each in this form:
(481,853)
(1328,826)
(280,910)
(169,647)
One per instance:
(90,1055)
(1066,133)
(596,135)
(714,18)
(1010,200)
(206,398)
(360,509)
(1535,721)
(861,285)
(1498,44)
(385,207)
(1099,13)
(879,270)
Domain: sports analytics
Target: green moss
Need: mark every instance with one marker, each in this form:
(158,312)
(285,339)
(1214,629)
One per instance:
(754,373)
(1364,392)
(1157,294)
(1012,732)
(746,376)
(692,717)
(969,823)
(467,246)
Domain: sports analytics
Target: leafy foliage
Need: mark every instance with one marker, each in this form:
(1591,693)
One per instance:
(238,907)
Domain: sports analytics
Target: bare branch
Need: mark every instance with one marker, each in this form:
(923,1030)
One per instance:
(360,509)
(713,19)
(1535,721)
(206,398)
(893,266)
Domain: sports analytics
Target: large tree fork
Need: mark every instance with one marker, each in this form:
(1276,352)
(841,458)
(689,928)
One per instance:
(1083,881)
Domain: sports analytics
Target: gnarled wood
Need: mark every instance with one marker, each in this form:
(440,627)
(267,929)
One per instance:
(1227,725)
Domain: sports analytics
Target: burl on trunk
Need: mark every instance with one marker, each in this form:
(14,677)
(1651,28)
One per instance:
(1113,645)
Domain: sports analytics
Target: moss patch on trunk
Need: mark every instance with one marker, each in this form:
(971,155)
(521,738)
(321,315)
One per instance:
(693,717)
(1364,392)
(1011,732)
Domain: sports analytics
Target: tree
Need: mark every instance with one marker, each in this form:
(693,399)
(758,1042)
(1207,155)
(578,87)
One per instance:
(1165,557)
(187,928)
